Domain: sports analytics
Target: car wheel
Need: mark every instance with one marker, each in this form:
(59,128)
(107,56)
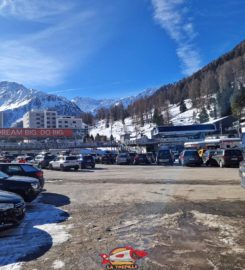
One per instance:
(62,168)
(50,167)
(30,198)
(221,164)
(76,168)
(207,163)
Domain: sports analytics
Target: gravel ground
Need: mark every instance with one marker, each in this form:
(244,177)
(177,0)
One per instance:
(185,218)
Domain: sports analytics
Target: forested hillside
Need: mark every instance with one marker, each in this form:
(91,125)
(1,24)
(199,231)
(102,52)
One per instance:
(216,90)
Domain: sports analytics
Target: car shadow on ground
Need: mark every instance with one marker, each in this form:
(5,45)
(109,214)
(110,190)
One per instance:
(40,230)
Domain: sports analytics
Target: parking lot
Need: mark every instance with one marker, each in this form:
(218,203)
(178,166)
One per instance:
(184,217)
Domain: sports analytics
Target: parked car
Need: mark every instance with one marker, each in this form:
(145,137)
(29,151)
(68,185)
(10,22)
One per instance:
(242,173)
(151,157)
(42,161)
(207,157)
(23,159)
(23,170)
(65,163)
(28,188)
(107,159)
(123,159)
(7,158)
(86,161)
(141,159)
(190,158)
(96,157)
(228,157)
(165,157)
(12,209)
(132,156)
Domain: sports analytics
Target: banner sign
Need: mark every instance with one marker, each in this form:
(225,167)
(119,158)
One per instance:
(35,132)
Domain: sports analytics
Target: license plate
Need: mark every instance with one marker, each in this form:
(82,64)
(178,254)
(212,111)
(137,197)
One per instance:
(191,159)
(163,160)
(234,159)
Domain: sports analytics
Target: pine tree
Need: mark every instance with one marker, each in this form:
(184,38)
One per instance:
(238,101)
(157,118)
(203,116)
(182,106)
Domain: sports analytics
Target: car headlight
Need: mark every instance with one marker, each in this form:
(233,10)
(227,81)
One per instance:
(6,206)
(35,185)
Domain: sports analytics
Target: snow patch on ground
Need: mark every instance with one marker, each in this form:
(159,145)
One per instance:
(58,264)
(40,230)
(227,232)
(14,266)
(59,232)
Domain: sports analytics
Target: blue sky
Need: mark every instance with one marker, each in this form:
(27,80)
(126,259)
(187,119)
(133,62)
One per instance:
(113,48)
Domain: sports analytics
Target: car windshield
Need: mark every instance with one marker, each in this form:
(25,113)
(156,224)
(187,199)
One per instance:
(71,158)
(234,152)
(39,157)
(163,153)
(88,158)
(191,153)
(123,155)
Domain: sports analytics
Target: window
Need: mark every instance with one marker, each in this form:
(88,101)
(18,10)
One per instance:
(28,168)
(71,158)
(14,169)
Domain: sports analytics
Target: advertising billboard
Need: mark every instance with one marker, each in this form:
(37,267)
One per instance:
(34,132)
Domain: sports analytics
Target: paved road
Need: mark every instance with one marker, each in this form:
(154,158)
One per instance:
(185,218)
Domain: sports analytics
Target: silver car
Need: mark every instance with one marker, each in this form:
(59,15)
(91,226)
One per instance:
(65,163)
(123,158)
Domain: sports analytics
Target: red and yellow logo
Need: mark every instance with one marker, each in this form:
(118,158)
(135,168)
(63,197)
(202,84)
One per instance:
(123,258)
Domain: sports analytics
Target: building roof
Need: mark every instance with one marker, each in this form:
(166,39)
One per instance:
(185,129)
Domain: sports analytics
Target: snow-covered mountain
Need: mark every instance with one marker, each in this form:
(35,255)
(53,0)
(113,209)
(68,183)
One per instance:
(87,104)
(16,100)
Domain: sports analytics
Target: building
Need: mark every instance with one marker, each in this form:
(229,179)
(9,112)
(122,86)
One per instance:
(50,119)
(225,125)
(40,119)
(70,122)
(177,136)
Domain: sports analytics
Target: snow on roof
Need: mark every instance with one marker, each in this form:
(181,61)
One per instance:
(216,120)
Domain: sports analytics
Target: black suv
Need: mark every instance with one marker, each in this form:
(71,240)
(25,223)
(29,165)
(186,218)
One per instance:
(108,159)
(87,161)
(165,157)
(23,170)
(28,188)
(141,159)
(190,158)
(12,209)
